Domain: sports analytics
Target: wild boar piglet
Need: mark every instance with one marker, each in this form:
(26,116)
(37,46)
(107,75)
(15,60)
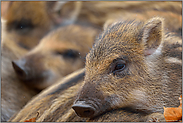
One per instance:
(58,54)
(133,64)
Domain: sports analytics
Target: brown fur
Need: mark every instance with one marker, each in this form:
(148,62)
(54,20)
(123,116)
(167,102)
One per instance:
(27,28)
(29,21)
(165,9)
(14,93)
(66,12)
(98,12)
(54,104)
(173,21)
(50,14)
(148,79)
(59,53)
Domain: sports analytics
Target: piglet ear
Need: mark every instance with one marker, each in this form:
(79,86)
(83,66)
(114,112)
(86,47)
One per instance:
(66,12)
(152,35)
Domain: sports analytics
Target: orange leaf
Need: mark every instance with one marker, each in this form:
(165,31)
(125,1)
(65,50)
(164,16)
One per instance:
(32,119)
(173,114)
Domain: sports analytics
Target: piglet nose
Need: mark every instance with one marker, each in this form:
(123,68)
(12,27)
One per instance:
(83,110)
(20,70)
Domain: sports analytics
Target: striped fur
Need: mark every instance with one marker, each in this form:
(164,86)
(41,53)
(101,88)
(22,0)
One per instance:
(14,93)
(54,105)
(149,80)
(98,12)
(53,102)
(28,28)
(58,54)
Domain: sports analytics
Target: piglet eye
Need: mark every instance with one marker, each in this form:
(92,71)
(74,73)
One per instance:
(23,26)
(69,54)
(119,67)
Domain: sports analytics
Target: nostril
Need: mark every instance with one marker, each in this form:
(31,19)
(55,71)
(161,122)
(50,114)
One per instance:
(84,110)
(19,70)
(88,112)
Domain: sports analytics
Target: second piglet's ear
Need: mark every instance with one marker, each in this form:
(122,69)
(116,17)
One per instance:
(152,35)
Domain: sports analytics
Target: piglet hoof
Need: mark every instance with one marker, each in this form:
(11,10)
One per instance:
(155,117)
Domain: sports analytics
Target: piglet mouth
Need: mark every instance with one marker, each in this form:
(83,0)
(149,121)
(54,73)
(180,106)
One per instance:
(84,109)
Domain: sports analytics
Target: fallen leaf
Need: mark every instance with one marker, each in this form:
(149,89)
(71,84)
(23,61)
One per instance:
(173,114)
(32,119)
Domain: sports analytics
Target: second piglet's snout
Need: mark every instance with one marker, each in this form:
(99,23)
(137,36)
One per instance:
(24,67)
(30,68)
(20,69)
